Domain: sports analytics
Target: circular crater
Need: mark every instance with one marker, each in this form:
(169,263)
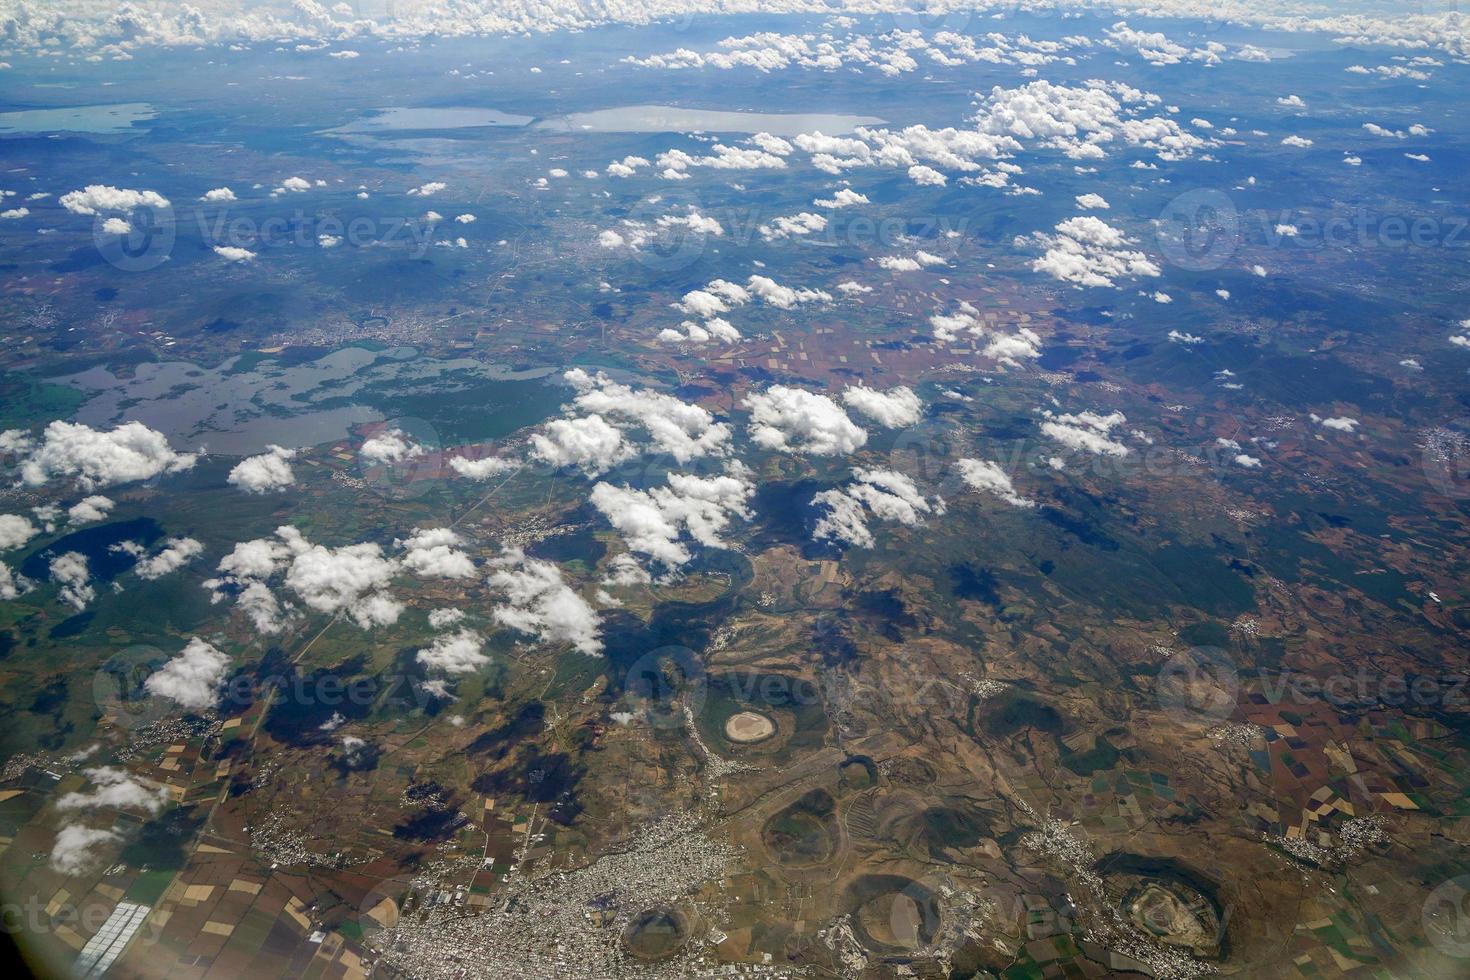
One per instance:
(894,914)
(804,833)
(857,773)
(776,718)
(749,727)
(656,933)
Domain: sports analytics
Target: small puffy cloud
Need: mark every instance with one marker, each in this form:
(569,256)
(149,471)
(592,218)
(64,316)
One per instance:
(1341,423)
(458,653)
(1247,461)
(296,185)
(948,326)
(903,263)
(1092,202)
(1086,431)
(244,572)
(219,195)
(1187,339)
(14,214)
(845,197)
(15,531)
(772,144)
(713,299)
(389,446)
(116,789)
(885,494)
(1012,349)
(13,586)
(75,849)
(484,468)
(193,678)
(1374,129)
(89,510)
(691,332)
(626,167)
(651,522)
(260,604)
(793,226)
(926,176)
(539,603)
(988,477)
(1087,251)
(625,570)
(1301,142)
(176,553)
(435,553)
(348,580)
(797,421)
(895,408)
(234,253)
(700,224)
(271,470)
(444,618)
(70,571)
(429,189)
(782,297)
(116,226)
(844,520)
(682,430)
(132,451)
(96,198)
(465,219)
(674,163)
(590,443)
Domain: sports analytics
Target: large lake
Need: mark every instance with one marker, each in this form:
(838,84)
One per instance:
(670,119)
(243,405)
(99,119)
(622,119)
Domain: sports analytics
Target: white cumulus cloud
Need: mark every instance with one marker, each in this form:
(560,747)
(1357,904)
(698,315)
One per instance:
(798,421)
(271,470)
(539,603)
(132,451)
(193,678)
